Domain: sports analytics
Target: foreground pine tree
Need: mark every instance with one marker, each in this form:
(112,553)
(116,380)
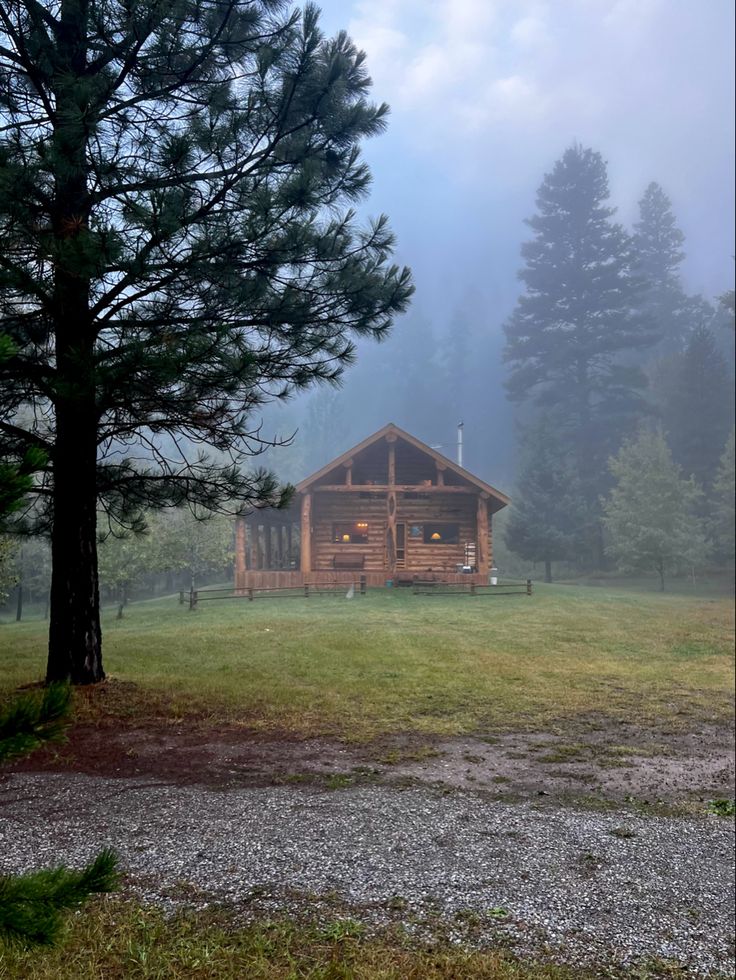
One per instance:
(31,905)
(177,183)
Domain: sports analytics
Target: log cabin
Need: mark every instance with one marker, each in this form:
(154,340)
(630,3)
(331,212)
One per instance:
(391,510)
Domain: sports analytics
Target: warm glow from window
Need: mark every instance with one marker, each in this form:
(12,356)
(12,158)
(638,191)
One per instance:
(350,532)
(436,533)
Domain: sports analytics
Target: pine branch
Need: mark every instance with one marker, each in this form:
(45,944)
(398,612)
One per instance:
(30,721)
(31,904)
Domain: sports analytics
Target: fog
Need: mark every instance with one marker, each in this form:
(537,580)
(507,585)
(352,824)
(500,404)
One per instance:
(485,97)
(490,101)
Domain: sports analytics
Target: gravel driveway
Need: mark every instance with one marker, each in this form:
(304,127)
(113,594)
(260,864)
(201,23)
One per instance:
(582,887)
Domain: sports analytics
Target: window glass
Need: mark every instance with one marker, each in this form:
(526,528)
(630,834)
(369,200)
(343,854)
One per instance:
(441,533)
(352,532)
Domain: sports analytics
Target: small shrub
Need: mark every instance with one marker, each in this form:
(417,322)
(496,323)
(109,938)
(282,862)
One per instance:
(722,808)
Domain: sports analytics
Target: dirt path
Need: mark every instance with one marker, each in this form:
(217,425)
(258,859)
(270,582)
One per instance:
(554,882)
(595,848)
(621,766)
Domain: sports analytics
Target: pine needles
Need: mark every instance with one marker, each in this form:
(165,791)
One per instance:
(31,905)
(29,721)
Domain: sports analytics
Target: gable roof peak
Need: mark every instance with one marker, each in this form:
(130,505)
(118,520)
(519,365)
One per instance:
(392,429)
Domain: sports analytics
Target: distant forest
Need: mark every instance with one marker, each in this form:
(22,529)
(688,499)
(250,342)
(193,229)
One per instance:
(604,342)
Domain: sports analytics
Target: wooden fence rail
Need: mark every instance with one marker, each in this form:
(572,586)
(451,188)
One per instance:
(309,589)
(305,591)
(443,588)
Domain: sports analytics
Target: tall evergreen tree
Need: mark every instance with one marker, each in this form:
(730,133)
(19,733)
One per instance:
(658,255)
(577,318)
(698,408)
(548,514)
(179,245)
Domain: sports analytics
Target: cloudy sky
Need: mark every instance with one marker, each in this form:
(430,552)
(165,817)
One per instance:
(487,94)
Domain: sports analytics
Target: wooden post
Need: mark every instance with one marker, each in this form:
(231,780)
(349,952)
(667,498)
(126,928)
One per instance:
(193,599)
(472,588)
(267,532)
(306,590)
(250,595)
(253,542)
(348,464)
(391,532)
(490,542)
(528,586)
(181,597)
(240,547)
(481,553)
(362,584)
(306,562)
(440,473)
(391,507)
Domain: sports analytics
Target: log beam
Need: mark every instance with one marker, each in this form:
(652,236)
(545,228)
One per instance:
(240,550)
(391,533)
(482,530)
(306,554)
(384,488)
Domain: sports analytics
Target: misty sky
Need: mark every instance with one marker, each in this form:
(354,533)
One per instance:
(487,94)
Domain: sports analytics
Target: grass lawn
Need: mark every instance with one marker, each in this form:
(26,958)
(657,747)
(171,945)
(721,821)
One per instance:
(119,940)
(393,662)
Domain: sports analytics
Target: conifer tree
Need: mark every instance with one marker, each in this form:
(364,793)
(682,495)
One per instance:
(577,318)
(177,183)
(698,409)
(723,519)
(547,519)
(658,254)
(650,515)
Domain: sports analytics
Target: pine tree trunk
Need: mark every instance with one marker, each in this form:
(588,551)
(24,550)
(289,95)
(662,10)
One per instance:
(75,651)
(548,571)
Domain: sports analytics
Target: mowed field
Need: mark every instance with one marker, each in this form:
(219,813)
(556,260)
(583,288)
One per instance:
(564,671)
(394,662)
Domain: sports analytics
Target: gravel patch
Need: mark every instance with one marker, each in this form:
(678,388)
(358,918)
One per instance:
(579,887)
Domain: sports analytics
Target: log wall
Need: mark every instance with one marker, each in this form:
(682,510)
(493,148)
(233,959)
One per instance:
(329,509)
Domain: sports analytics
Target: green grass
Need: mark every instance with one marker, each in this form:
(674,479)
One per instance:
(119,940)
(393,662)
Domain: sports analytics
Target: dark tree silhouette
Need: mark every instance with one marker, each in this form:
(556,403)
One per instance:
(179,246)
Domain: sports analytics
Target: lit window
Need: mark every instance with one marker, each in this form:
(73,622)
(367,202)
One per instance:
(441,533)
(355,532)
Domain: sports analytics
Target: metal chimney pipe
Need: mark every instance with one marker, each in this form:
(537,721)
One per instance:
(460,443)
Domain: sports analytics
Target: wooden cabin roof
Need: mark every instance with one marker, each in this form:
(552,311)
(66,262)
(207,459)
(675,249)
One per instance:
(498,498)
